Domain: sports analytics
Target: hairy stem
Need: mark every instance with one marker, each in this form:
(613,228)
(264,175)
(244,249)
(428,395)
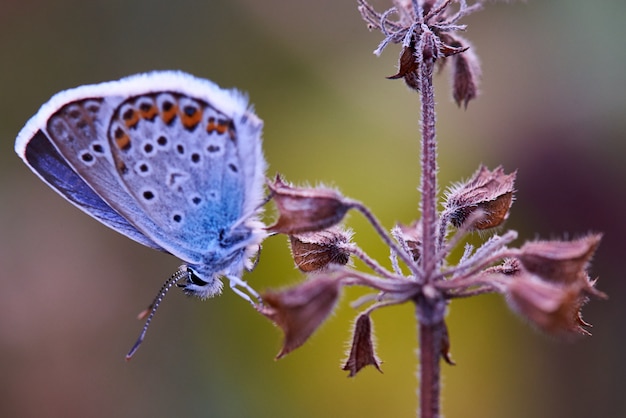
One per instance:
(372,263)
(428,158)
(430,324)
(388,239)
(430,340)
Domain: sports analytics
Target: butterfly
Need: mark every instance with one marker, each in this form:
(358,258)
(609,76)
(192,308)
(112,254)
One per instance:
(169,160)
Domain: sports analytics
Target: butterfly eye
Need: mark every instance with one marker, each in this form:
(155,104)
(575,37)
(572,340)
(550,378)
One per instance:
(193,278)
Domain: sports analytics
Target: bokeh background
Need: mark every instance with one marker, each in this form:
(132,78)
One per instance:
(552,106)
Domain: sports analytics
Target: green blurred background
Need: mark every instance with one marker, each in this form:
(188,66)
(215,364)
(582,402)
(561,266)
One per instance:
(552,106)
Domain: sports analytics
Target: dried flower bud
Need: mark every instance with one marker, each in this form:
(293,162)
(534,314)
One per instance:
(300,310)
(445,346)
(490,192)
(561,262)
(408,68)
(431,37)
(306,210)
(411,238)
(314,251)
(465,77)
(362,352)
(553,308)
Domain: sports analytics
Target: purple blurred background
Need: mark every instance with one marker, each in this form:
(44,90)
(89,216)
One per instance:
(552,106)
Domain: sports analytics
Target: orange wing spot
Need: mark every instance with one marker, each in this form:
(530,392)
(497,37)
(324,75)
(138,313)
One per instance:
(148,110)
(169,111)
(211,126)
(222,126)
(122,140)
(131,117)
(190,116)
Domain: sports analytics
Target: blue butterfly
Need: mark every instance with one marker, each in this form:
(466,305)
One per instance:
(170,160)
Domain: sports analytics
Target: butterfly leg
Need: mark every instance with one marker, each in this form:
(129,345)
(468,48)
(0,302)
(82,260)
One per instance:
(236,281)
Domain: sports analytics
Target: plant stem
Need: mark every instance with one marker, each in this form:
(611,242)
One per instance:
(388,239)
(430,318)
(429,163)
(430,337)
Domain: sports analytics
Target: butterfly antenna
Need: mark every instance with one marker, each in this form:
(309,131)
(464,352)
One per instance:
(149,312)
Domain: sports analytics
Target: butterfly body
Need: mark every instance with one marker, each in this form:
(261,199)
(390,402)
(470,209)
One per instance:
(171,161)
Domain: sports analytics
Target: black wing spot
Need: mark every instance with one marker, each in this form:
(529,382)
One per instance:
(87,157)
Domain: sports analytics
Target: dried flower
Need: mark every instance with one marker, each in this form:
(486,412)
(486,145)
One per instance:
(563,262)
(465,77)
(551,284)
(306,210)
(313,251)
(362,351)
(552,308)
(445,346)
(300,310)
(410,236)
(427,31)
(490,192)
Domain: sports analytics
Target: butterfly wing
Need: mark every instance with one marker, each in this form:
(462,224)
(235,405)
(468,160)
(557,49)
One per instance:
(136,155)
